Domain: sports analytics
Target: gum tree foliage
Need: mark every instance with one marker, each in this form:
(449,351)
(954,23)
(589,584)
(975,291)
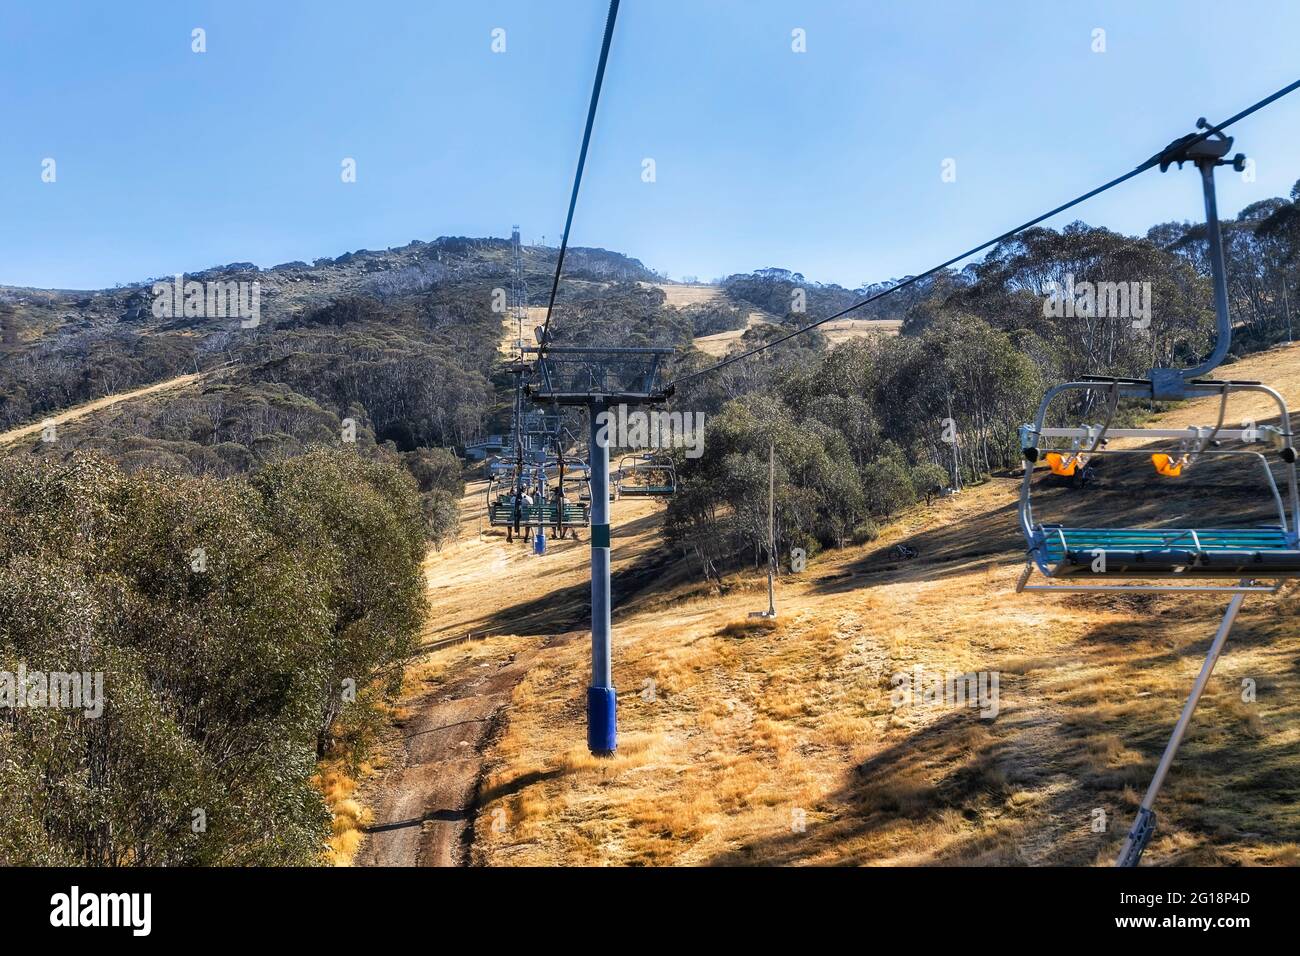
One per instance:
(874,409)
(709,318)
(896,392)
(360,526)
(59,349)
(1262,251)
(626,314)
(223,430)
(772,290)
(959,368)
(73,365)
(220,678)
(709,393)
(1013,281)
(929,479)
(722,509)
(437,473)
(227,430)
(419,373)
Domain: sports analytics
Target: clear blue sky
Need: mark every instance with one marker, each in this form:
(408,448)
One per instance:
(826,162)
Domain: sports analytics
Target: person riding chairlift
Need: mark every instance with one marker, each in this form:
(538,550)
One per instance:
(525,507)
(561,499)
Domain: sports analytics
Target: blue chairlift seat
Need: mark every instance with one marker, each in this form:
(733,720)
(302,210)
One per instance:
(646,491)
(1135,552)
(659,477)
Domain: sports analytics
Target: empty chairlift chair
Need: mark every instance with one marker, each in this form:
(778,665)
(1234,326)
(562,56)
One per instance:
(582,472)
(1167,553)
(1185,558)
(644,476)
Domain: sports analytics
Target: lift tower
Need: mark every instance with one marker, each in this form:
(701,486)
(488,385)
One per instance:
(600,380)
(518,287)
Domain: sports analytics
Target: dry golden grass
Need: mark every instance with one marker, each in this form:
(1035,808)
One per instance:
(749,627)
(679,295)
(784,748)
(744,741)
(349,816)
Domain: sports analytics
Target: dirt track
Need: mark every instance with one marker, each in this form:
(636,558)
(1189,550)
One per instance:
(424,816)
(425,802)
(72,414)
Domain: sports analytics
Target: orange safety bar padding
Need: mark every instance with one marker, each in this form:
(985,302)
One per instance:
(1167,466)
(1060,466)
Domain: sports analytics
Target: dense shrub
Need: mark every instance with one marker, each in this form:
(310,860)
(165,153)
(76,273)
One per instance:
(721,509)
(225,617)
(438,473)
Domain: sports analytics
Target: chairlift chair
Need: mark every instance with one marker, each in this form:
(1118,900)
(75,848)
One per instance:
(1175,554)
(560,469)
(504,509)
(502,513)
(631,467)
(1125,556)
(581,472)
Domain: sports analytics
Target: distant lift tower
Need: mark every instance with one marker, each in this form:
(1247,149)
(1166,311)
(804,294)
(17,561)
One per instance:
(518,288)
(599,379)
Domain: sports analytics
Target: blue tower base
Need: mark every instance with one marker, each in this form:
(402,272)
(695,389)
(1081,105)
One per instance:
(602,735)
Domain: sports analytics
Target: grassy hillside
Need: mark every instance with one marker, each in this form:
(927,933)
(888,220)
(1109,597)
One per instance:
(781,745)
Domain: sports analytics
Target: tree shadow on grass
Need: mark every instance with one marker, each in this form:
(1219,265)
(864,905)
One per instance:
(1028,785)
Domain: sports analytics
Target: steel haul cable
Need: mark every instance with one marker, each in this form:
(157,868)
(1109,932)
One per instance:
(577,179)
